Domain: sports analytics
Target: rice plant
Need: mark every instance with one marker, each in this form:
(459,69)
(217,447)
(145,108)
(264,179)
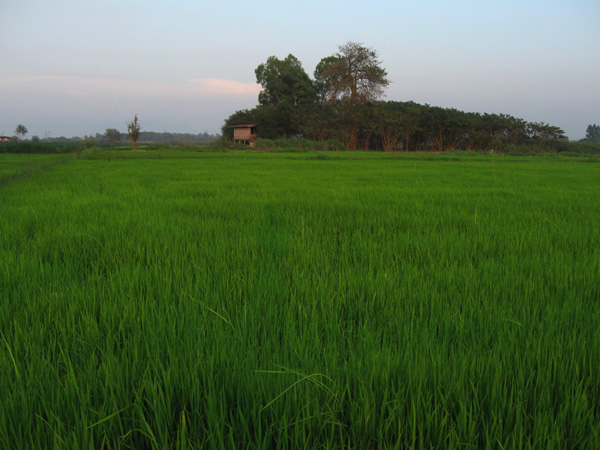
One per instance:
(262,300)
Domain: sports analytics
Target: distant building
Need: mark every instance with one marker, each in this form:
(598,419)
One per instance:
(5,139)
(244,134)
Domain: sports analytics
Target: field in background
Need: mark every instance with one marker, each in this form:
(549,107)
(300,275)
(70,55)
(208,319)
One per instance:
(344,300)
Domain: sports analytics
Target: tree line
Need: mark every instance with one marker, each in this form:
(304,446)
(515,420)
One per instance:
(342,102)
(113,136)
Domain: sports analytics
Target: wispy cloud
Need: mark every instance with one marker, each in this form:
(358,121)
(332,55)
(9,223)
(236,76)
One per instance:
(75,86)
(218,86)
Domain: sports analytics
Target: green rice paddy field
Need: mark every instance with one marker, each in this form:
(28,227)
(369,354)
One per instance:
(341,300)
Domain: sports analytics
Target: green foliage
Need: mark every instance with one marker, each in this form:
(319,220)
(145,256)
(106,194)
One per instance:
(318,122)
(113,135)
(21,131)
(298,145)
(73,147)
(159,146)
(284,81)
(238,118)
(332,144)
(88,152)
(542,132)
(264,144)
(286,87)
(88,142)
(593,133)
(32,147)
(340,104)
(168,137)
(292,143)
(19,167)
(272,121)
(325,79)
(254,300)
(585,148)
(286,145)
(391,125)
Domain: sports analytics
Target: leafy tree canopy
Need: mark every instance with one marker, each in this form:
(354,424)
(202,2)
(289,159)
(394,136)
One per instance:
(113,135)
(342,104)
(21,131)
(272,122)
(284,81)
(593,133)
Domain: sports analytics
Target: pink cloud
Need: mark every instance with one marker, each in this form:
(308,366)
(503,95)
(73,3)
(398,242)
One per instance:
(219,86)
(105,87)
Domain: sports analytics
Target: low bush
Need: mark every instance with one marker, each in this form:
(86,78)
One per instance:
(159,146)
(298,145)
(264,144)
(332,144)
(31,147)
(585,147)
(292,144)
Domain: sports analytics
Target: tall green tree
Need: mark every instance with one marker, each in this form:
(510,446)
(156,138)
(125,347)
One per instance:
(395,123)
(113,135)
(349,122)
(21,131)
(388,123)
(319,122)
(593,133)
(284,81)
(542,132)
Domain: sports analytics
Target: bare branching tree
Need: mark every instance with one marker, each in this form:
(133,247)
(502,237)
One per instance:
(354,73)
(133,131)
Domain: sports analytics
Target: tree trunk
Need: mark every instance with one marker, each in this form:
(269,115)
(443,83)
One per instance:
(352,140)
(368,138)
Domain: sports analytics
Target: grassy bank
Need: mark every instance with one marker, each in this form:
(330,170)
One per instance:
(350,300)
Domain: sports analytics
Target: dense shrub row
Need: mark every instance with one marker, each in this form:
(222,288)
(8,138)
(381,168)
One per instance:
(289,145)
(31,147)
(297,144)
(393,126)
(40,147)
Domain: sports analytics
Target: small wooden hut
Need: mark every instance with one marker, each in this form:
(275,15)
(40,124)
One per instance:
(244,134)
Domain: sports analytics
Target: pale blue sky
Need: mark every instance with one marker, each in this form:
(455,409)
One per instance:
(79,67)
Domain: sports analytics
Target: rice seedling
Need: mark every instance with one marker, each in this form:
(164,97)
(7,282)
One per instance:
(271,300)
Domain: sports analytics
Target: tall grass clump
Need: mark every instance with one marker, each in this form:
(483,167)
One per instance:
(255,300)
(264,144)
(297,145)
